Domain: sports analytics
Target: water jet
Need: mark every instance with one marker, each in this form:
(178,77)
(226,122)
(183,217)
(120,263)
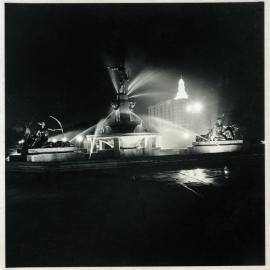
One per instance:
(122,132)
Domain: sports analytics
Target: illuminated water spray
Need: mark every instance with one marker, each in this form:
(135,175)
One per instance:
(98,130)
(173,135)
(141,80)
(81,134)
(142,95)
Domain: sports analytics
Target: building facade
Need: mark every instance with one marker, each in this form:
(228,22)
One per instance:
(175,111)
(180,111)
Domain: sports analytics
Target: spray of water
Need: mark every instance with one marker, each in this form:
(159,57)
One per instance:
(98,130)
(159,80)
(140,80)
(157,122)
(137,116)
(114,80)
(142,95)
(82,133)
(173,134)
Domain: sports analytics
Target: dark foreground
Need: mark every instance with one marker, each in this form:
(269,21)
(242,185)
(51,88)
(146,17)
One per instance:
(208,215)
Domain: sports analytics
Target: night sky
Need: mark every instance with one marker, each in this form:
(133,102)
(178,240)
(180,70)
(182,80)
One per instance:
(56,57)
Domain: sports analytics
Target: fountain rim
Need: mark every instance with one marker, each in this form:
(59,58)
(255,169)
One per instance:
(124,134)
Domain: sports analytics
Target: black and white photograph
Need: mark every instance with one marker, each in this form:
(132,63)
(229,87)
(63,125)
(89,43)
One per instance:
(134,134)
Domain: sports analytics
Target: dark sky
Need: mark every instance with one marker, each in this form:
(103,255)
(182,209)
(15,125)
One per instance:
(56,56)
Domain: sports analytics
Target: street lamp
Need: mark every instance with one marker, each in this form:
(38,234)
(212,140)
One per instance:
(195,107)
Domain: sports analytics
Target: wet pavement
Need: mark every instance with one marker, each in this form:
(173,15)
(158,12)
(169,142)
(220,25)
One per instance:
(210,215)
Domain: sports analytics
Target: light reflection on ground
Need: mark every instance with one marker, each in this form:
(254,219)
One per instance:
(141,216)
(191,178)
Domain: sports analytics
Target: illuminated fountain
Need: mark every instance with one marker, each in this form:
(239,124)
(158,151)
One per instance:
(122,132)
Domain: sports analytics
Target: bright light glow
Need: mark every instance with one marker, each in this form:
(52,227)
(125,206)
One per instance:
(54,140)
(188,108)
(202,176)
(181,94)
(197,107)
(194,107)
(79,138)
(21,141)
(185,135)
(64,139)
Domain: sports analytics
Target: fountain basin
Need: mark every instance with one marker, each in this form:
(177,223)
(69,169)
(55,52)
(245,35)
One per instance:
(124,144)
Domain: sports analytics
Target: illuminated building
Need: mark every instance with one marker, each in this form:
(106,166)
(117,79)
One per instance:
(180,110)
(181,94)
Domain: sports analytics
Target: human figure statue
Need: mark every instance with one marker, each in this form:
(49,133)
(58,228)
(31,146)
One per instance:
(27,137)
(115,107)
(42,134)
(221,132)
(131,110)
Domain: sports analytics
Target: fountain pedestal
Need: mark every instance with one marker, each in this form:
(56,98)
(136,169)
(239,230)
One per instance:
(121,134)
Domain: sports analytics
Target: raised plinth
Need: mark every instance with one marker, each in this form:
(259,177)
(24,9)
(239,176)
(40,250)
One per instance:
(51,150)
(51,154)
(216,147)
(211,143)
(52,157)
